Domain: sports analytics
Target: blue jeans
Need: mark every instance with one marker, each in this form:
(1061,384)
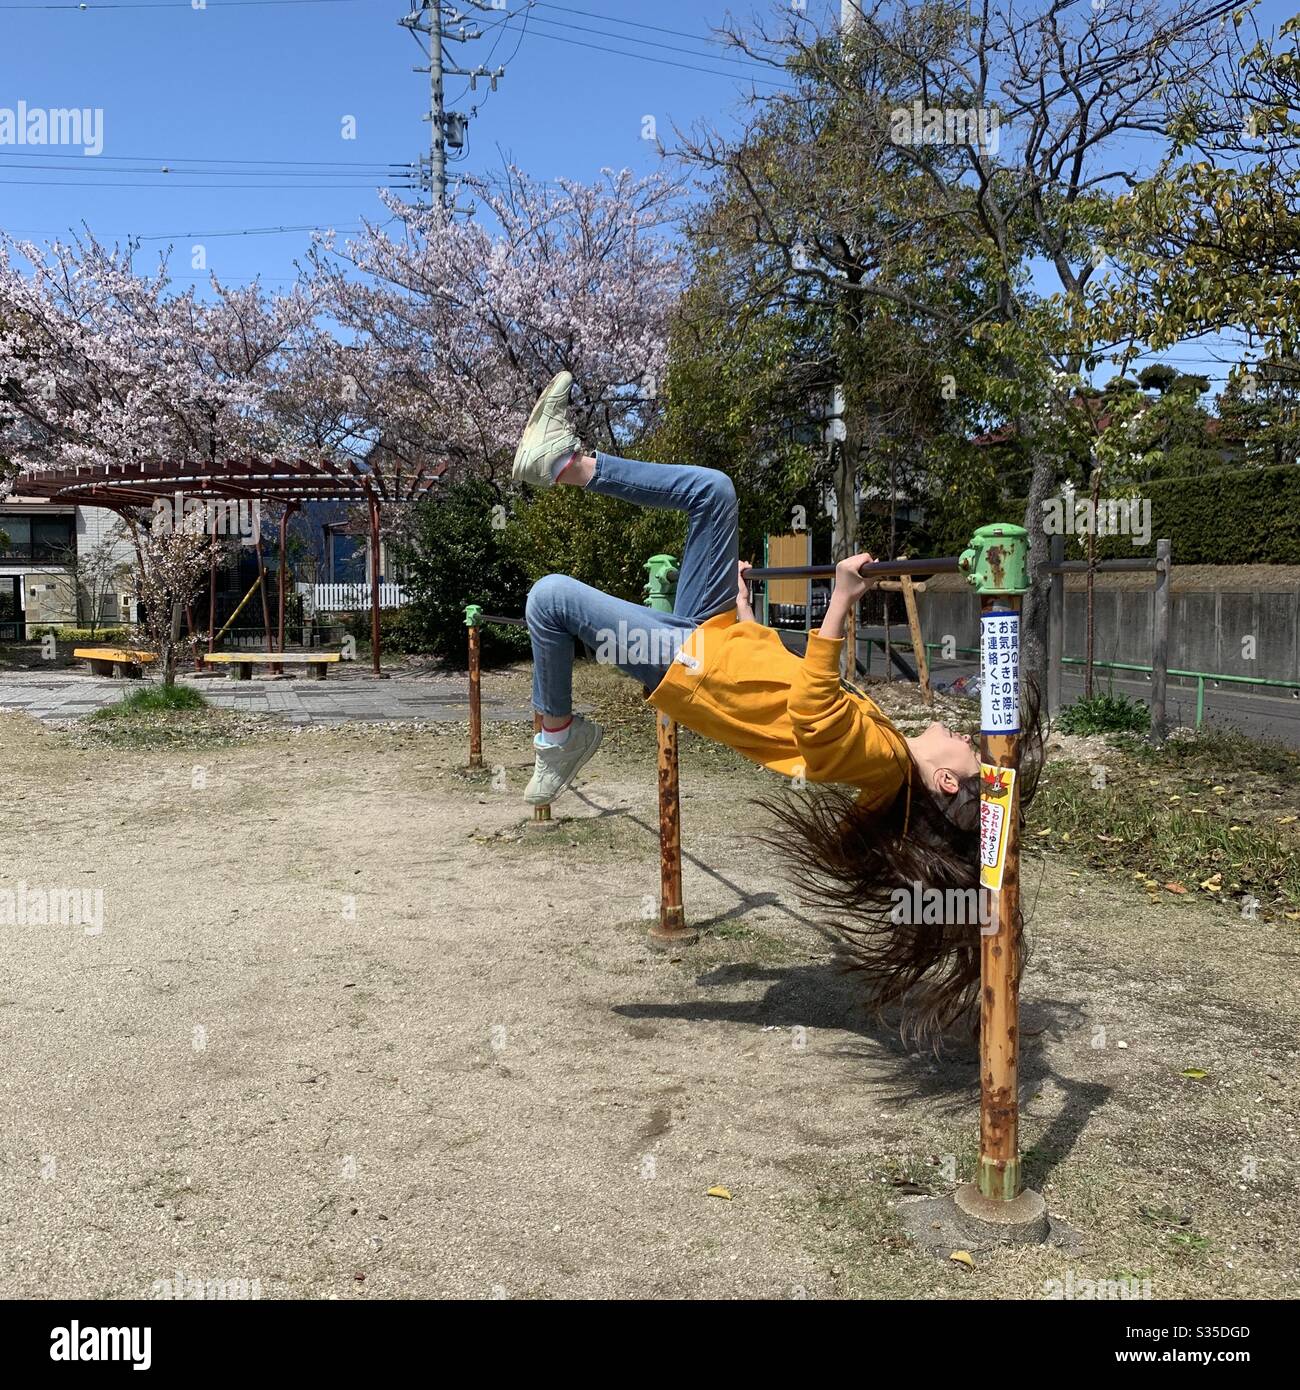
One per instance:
(639,641)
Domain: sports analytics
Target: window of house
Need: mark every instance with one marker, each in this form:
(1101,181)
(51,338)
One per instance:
(38,537)
(18,529)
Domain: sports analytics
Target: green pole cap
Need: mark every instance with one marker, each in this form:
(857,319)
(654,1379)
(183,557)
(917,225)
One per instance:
(473,615)
(661,587)
(997,561)
(663,567)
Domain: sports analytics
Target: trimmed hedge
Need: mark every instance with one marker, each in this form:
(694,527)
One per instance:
(1226,518)
(1229,517)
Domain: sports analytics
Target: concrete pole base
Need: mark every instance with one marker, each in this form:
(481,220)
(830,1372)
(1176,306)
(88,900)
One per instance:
(662,938)
(1021,1221)
(967,1220)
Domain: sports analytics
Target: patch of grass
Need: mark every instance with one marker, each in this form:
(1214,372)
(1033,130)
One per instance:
(151,699)
(1201,839)
(1105,714)
(156,716)
(1213,750)
(1176,1229)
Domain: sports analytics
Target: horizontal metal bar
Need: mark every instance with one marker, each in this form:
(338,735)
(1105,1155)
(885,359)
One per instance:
(1105,566)
(502,622)
(878,569)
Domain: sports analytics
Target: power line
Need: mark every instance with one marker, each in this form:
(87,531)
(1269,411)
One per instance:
(166,236)
(663,62)
(174,5)
(382,174)
(249,231)
(283,187)
(635,24)
(212,159)
(652,43)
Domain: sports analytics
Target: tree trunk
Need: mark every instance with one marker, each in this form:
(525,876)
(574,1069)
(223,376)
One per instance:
(844,536)
(173,647)
(1034,624)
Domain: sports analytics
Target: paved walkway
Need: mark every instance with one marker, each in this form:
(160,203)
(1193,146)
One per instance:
(68,695)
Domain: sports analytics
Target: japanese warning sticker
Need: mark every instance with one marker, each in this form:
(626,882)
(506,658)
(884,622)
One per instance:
(997,784)
(1000,673)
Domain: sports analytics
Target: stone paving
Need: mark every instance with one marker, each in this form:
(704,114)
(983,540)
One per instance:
(69,694)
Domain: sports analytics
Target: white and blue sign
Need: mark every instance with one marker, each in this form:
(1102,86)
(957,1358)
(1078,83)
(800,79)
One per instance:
(1000,672)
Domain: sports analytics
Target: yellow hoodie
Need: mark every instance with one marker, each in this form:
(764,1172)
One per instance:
(737,683)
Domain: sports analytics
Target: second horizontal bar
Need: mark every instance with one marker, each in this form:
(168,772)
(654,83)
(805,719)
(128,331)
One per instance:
(878,569)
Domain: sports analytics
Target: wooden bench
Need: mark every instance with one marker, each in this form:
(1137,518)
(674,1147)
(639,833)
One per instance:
(109,661)
(242,663)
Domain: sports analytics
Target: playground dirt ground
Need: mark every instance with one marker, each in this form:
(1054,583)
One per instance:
(353,1029)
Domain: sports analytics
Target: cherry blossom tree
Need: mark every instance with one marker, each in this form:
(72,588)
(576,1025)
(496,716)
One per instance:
(443,328)
(102,364)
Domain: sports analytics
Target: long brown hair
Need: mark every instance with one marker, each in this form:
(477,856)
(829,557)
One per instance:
(850,861)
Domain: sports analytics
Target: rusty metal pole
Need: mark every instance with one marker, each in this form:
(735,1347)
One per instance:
(997,567)
(671,928)
(374,584)
(475,691)
(1090,640)
(999,1173)
(1160,644)
(261,575)
(284,542)
(212,589)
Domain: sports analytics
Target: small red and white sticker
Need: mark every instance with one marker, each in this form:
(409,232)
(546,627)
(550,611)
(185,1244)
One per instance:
(997,791)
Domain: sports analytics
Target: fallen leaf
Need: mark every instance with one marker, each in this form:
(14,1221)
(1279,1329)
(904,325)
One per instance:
(1286,820)
(1195,1074)
(963,1257)
(1175,887)
(1218,791)
(719,1192)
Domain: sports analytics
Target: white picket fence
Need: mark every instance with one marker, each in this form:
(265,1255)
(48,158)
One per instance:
(341,598)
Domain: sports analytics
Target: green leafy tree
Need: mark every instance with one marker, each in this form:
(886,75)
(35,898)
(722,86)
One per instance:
(1259,414)
(601,541)
(453,553)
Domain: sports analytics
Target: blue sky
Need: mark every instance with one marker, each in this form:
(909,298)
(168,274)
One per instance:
(243,81)
(274,81)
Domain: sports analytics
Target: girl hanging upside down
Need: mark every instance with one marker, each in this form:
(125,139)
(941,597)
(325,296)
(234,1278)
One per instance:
(903,811)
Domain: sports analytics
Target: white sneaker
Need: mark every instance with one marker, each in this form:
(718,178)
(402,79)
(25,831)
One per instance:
(558,764)
(547,436)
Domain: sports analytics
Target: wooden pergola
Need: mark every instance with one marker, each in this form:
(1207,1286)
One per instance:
(128,488)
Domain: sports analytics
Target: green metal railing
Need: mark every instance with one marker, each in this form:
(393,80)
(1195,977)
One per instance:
(1200,677)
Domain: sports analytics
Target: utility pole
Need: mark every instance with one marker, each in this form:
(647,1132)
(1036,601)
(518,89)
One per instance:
(442,24)
(844,455)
